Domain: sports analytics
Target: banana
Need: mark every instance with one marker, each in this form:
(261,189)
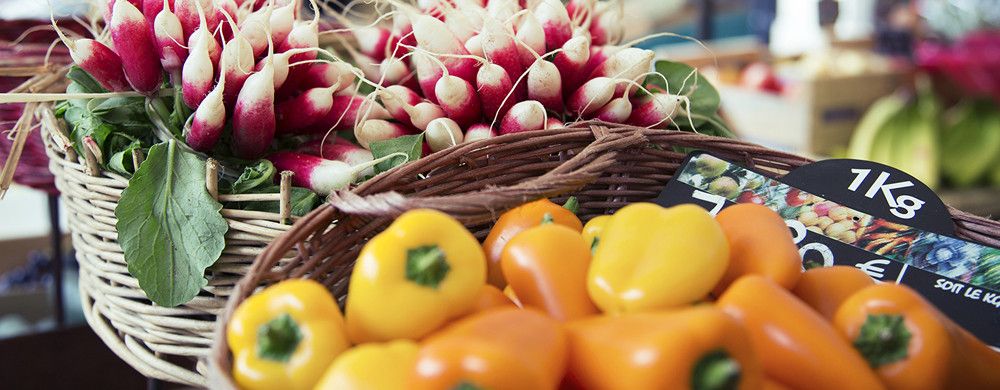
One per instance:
(971,145)
(872,123)
(914,148)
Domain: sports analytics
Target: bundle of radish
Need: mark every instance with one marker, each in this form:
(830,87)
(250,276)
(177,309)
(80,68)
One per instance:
(245,82)
(169,84)
(454,71)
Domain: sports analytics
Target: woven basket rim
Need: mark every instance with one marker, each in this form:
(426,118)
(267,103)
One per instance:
(108,291)
(373,199)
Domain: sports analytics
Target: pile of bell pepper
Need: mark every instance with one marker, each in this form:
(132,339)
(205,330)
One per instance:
(646,298)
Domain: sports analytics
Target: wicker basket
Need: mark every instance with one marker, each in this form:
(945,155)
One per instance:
(160,342)
(605,168)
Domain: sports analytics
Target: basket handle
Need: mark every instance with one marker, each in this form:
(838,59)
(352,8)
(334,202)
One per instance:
(481,206)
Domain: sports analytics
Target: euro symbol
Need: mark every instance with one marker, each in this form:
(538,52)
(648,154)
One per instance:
(872,269)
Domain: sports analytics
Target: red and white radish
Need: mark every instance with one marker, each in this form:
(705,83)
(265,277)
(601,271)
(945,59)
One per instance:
(254,117)
(423,113)
(494,85)
(655,111)
(303,110)
(442,133)
(458,99)
(555,22)
(617,110)
(393,71)
(208,121)
(372,41)
(397,99)
(433,36)
(320,175)
(607,24)
(532,37)
(226,10)
(282,20)
(591,96)
(499,47)
(627,64)
(477,132)
(135,45)
(554,123)
(336,148)
(110,6)
(545,84)
(474,45)
(524,116)
(253,28)
(571,61)
(580,11)
(170,39)
(199,68)
(303,35)
(235,65)
(345,112)
(502,9)
(379,130)
(188,14)
(102,63)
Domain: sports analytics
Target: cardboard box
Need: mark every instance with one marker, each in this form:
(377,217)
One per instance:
(814,117)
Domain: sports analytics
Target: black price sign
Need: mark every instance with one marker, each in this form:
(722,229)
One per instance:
(861,214)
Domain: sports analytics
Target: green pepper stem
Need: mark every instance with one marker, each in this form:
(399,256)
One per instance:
(547,219)
(572,204)
(426,265)
(278,338)
(883,339)
(716,371)
(466,386)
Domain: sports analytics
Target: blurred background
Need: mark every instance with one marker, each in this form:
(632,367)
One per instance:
(822,78)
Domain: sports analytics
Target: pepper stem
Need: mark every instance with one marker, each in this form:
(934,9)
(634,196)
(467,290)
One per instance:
(466,386)
(883,339)
(572,204)
(716,371)
(426,265)
(278,338)
(547,219)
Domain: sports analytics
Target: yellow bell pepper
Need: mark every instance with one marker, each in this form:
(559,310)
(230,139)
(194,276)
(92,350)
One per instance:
(651,257)
(592,230)
(422,271)
(372,367)
(285,336)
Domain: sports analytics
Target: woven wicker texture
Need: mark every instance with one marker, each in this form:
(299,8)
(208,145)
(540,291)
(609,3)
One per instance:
(605,168)
(160,342)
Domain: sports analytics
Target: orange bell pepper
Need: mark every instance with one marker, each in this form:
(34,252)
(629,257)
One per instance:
(546,267)
(912,345)
(517,220)
(497,350)
(774,385)
(759,243)
(491,298)
(796,345)
(825,288)
(509,293)
(698,347)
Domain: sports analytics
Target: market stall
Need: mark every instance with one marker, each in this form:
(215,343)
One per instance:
(504,194)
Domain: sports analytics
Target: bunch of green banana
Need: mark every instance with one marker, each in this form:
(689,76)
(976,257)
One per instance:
(970,144)
(902,134)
